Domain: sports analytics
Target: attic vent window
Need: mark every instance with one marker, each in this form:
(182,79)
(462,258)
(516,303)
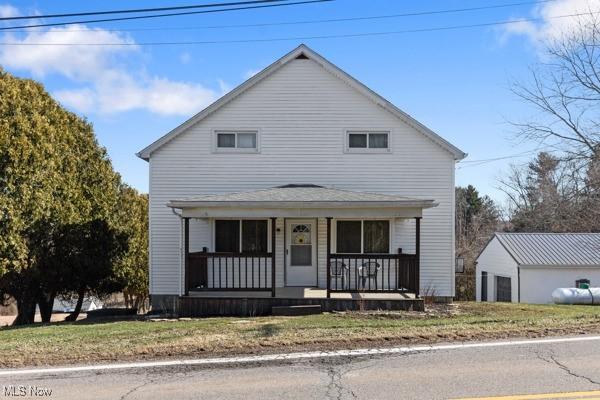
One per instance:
(367,141)
(236,141)
(301,56)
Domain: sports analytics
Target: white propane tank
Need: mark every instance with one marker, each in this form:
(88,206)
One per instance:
(576,296)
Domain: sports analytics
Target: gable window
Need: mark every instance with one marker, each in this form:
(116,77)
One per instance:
(357,141)
(246,236)
(243,141)
(367,237)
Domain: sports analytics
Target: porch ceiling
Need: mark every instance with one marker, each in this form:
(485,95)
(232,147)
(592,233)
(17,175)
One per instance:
(301,201)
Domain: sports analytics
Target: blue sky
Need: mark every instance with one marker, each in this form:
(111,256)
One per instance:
(457,82)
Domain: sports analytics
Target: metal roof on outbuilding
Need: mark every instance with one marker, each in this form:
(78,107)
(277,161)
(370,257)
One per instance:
(552,249)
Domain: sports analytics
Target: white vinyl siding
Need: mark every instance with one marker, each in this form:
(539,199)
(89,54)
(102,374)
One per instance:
(537,284)
(303,113)
(496,261)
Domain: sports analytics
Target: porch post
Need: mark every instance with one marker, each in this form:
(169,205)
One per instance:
(418,255)
(273,275)
(328,257)
(186,252)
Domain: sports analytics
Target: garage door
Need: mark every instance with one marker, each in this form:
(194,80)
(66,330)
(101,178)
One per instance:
(503,287)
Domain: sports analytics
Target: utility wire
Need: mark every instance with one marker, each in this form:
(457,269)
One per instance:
(476,163)
(8,28)
(318,21)
(502,157)
(138,10)
(297,38)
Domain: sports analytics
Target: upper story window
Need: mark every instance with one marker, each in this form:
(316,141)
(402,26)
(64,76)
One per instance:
(239,141)
(367,141)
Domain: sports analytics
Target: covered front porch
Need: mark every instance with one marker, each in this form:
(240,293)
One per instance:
(301,243)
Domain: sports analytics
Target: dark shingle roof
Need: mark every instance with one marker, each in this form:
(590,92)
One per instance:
(302,195)
(571,249)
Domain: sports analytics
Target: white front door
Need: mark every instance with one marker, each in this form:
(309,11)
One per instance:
(301,252)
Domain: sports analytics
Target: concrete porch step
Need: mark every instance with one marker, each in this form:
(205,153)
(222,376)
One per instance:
(303,309)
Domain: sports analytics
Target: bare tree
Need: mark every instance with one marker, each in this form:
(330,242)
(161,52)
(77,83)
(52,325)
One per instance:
(550,195)
(566,90)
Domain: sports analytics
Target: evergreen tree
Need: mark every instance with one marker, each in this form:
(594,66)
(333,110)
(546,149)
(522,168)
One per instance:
(132,268)
(477,217)
(53,174)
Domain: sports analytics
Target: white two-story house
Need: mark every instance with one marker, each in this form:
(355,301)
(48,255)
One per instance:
(300,186)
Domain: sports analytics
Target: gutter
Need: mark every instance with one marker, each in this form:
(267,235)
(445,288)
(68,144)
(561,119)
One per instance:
(301,204)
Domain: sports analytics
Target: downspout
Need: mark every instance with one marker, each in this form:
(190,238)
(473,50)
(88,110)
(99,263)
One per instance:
(180,249)
(518,283)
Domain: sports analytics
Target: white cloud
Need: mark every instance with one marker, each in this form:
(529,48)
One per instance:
(110,78)
(250,73)
(7,11)
(224,87)
(185,57)
(549,27)
(74,62)
(117,91)
(80,99)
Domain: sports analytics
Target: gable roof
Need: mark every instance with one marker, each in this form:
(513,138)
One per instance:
(301,196)
(552,249)
(304,51)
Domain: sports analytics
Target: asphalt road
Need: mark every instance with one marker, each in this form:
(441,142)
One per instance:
(441,374)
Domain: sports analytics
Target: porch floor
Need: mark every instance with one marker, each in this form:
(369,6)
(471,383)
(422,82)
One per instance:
(303,293)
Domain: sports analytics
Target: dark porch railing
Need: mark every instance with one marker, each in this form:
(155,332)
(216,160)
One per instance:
(373,273)
(378,273)
(230,271)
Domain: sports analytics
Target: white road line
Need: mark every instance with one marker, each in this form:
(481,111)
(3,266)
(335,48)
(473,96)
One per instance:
(293,356)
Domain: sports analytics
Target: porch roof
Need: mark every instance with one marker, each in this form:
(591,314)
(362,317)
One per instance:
(301,200)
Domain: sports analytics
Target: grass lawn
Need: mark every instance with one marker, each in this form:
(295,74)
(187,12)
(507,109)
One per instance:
(83,342)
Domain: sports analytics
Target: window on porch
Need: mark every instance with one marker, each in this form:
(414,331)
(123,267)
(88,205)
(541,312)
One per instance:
(241,236)
(363,237)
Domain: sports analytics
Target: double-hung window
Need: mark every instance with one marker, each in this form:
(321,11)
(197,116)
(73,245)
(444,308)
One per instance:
(245,236)
(364,236)
(237,141)
(367,141)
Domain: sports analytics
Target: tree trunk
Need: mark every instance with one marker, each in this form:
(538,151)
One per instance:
(127,299)
(25,311)
(73,316)
(46,303)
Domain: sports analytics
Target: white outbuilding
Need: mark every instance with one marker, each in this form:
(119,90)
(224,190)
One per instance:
(527,267)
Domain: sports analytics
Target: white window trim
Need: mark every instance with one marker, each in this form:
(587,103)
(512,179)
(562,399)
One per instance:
(213,244)
(367,131)
(362,233)
(235,131)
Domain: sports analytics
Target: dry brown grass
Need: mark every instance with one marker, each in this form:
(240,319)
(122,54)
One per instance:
(82,342)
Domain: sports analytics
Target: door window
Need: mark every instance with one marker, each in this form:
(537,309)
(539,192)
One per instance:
(301,246)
